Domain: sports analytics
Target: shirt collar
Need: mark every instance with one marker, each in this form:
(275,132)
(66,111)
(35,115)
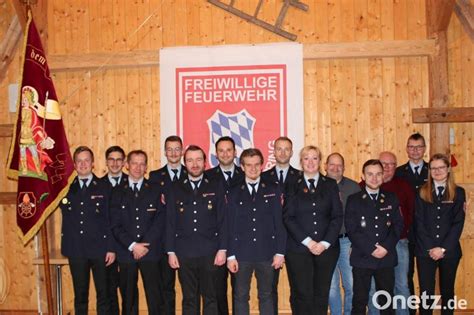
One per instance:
(370,191)
(248,182)
(131,182)
(89,179)
(171,173)
(315,177)
(413,165)
(231,169)
(112,180)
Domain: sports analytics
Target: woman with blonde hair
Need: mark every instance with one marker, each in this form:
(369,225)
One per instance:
(439,220)
(313,218)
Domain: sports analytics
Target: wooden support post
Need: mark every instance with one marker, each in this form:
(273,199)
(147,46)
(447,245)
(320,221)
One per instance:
(47,269)
(438,15)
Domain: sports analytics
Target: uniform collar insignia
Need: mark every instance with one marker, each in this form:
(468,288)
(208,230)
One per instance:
(263,185)
(205,180)
(382,195)
(94,182)
(163,173)
(242,187)
(300,180)
(364,196)
(323,178)
(146,184)
(272,173)
(185,181)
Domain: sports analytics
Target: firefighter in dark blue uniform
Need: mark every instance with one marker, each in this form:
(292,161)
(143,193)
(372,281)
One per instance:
(313,217)
(286,176)
(115,160)
(196,235)
(373,223)
(171,172)
(85,238)
(138,211)
(439,221)
(257,237)
(415,172)
(231,175)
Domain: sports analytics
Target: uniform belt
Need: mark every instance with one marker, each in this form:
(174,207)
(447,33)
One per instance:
(343,235)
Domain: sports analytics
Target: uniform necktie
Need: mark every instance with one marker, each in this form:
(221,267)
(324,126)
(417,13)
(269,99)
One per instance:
(135,188)
(84,183)
(280,178)
(253,192)
(229,176)
(195,184)
(416,171)
(373,196)
(175,174)
(440,192)
(116,178)
(311,184)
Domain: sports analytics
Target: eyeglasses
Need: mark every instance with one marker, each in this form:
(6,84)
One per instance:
(112,160)
(440,168)
(174,150)
(389,164)
(415,147)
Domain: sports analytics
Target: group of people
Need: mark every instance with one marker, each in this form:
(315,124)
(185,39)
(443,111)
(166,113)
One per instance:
(330,231)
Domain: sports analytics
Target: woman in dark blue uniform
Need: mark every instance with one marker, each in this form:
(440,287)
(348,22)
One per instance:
(313,218)
(439,220)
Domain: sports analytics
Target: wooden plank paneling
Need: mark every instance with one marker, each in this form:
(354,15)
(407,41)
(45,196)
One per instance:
(356,106)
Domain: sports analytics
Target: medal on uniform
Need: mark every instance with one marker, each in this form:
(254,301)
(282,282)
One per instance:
(389,223)
(363,223)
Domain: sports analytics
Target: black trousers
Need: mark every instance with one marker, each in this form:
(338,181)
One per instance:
(197,277)
(151,278)
(384,280)
(427,277)
(167,287)
(80,272)
(113,285)
(310,280)
(276,278)
(222,274)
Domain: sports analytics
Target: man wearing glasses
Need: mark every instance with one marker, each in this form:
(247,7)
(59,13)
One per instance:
(415,172)
(115,161)
(171,172)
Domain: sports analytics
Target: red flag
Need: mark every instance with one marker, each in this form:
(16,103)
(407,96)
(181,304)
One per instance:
(39,153)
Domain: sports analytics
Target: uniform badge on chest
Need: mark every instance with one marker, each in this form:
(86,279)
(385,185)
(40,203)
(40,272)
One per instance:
(209,205)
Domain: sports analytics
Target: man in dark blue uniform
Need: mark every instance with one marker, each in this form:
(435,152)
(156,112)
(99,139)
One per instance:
(172,171)
(85,238)
(373,223)
(257,237)
(115,161)
(138,209)
(231,175)
(196,234)
(286,176)
(415,172)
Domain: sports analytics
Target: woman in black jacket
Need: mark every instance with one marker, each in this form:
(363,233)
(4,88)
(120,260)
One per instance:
(313,218)
(439,220)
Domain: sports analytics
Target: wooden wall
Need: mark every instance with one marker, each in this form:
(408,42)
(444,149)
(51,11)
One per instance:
(358,107)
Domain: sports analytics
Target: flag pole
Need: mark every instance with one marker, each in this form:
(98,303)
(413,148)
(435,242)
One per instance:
(44,239)
(47,269)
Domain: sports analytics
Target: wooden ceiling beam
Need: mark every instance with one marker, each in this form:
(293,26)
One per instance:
(147,58)
(443,115)
(465,13)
